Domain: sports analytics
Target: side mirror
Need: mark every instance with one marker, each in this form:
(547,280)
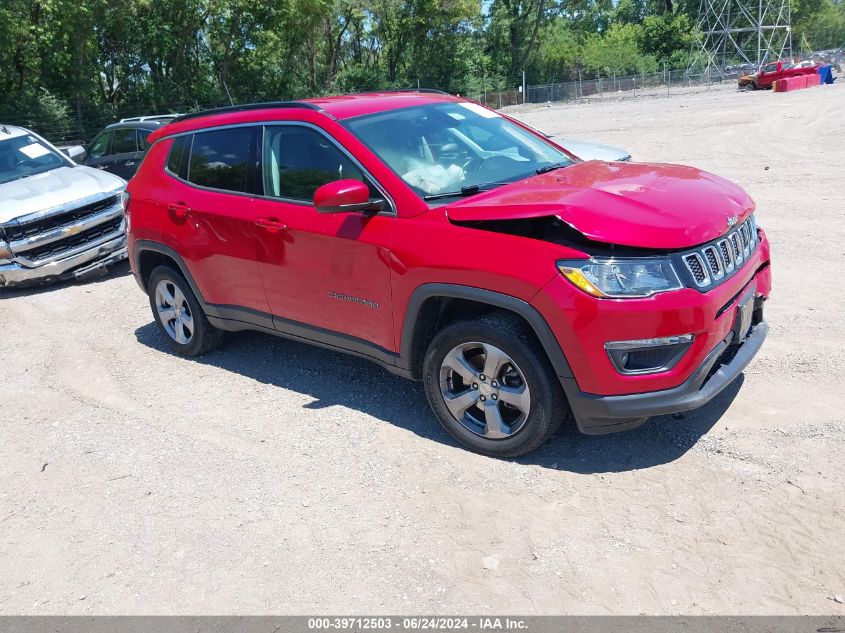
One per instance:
(343,196)
(75,152)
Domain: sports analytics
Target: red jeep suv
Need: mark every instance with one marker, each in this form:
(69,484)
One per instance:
(453,244)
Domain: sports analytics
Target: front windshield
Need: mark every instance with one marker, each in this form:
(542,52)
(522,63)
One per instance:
(24,156)
(449,147)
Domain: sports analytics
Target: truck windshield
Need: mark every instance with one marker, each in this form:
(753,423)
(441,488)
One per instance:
(454,148)
(24,156)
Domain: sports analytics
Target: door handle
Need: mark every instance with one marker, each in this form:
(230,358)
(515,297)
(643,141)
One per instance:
(271,225)
(179,211)
(129,163)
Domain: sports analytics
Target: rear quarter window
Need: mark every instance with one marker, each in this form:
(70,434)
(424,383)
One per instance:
(177,159)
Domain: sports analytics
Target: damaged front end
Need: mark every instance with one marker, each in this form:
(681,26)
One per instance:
(71,241)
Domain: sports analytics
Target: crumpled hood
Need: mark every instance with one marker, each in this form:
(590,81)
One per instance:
(631,204)
(54,188)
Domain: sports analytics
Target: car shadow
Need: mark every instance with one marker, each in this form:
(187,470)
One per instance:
(333,378)
(114,271)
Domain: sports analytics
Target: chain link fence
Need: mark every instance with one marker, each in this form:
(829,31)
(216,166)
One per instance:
(600,86)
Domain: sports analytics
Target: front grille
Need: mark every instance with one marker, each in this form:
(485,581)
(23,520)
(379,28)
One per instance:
(15,232)
(55,249)
(696,267)
(719,260)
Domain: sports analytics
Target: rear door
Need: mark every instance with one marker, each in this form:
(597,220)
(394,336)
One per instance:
(210,214)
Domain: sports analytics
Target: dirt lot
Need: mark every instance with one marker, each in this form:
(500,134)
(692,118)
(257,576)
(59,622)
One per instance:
(272,477)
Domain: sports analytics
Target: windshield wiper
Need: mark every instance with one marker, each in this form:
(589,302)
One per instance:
(469,190)
(547,168)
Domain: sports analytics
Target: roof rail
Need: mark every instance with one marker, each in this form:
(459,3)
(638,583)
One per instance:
(250,106)
(153,117)
(399,90)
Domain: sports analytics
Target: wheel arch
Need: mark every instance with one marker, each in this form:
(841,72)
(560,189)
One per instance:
(148,255)
(429,303)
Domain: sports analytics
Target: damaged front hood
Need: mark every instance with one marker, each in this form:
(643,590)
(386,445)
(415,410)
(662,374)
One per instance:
(631,204)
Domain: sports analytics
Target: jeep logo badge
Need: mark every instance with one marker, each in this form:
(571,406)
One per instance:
(732,221)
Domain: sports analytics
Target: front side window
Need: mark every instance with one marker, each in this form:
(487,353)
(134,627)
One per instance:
(123,142)
(445,147)
(24,156)
(220,159)
(299,160)
(100,145)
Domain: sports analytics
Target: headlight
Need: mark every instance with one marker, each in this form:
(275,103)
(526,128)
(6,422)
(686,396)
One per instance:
(621,278)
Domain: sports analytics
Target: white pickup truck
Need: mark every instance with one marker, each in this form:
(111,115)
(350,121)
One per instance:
(58,219)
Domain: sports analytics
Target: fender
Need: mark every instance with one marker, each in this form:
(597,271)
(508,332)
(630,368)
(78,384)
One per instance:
(489,297)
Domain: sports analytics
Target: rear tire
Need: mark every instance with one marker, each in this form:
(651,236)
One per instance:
(178,314)
(492,387)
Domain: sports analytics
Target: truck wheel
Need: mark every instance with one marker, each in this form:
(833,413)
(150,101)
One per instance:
(492,386)
(179,315)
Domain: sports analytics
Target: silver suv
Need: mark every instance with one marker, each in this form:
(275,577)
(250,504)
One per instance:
(57,219)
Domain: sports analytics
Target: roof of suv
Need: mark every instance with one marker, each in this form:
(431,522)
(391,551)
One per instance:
(338,107)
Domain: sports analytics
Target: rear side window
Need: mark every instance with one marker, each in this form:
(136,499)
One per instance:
(123,142)
(177,160)
(220,159)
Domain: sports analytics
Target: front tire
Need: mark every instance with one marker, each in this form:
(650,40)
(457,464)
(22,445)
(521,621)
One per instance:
(178,314)
(492,387)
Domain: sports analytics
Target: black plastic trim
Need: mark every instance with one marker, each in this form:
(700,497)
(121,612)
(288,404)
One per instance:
(488,297)
(147,245)
(235,318)
(597,415)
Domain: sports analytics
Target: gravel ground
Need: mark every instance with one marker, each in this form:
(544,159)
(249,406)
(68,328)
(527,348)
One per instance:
(272,477)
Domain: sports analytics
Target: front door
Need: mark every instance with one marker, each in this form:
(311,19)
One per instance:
(325,271)
(97,154)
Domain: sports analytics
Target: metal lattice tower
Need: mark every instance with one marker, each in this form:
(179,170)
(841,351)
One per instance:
(735,32)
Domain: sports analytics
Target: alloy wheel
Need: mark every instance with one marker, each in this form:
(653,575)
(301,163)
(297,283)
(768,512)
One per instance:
(174,312)
(485,390)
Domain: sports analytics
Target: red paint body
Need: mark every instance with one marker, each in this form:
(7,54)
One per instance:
(286,259)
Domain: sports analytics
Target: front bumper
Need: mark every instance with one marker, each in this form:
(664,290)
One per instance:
(87,259)
(597,415)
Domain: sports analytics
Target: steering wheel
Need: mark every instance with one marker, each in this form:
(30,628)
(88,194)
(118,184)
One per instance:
(473,164)
(495,163)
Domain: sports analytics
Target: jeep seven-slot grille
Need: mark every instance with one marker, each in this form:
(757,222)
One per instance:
(721,258)
(37,227)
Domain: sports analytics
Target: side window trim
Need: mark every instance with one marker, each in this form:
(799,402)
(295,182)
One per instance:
(185,178)
(391,210)
(252,129)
